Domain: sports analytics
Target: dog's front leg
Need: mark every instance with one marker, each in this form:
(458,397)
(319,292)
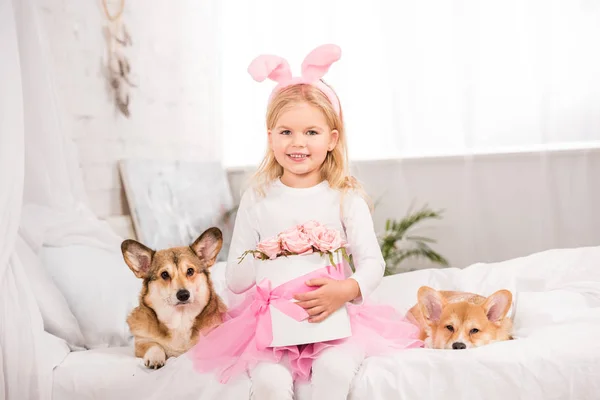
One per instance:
(153,353)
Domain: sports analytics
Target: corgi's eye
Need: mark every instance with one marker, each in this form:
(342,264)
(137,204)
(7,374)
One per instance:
(450,328)
(474,331)
(164,275)
(190,271)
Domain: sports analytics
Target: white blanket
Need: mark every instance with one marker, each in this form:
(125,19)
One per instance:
(557,325)
(556,354)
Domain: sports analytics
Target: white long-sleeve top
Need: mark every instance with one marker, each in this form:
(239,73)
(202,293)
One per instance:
(262,217)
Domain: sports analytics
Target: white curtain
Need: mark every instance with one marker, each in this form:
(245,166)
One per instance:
(41,200)
(21,329)
(423,78)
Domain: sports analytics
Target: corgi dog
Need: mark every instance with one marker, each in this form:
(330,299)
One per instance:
(177,300)
(460,320)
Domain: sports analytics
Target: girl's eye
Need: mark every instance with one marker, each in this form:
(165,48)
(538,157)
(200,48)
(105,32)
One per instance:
(312,133)
(164,275)
(286,132)
(190,271)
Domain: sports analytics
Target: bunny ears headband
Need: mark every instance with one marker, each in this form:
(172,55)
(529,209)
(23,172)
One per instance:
(315,66)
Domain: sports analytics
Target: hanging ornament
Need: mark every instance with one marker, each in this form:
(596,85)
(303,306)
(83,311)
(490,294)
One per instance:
(117,66)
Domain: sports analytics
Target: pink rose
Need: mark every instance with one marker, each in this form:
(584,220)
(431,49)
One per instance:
(309,226)
(326,239)
(295,241)
(271,247)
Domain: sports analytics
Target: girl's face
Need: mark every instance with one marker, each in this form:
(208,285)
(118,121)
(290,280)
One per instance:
(300,141)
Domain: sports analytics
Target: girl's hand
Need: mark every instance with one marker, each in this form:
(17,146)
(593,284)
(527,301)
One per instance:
(328,298)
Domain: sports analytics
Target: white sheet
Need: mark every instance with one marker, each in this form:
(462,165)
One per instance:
(562,362)
(556,355)
(114,373)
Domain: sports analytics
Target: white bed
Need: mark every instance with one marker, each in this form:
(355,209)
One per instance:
(556,354)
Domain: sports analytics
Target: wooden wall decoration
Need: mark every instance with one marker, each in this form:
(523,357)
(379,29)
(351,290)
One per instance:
(117,67)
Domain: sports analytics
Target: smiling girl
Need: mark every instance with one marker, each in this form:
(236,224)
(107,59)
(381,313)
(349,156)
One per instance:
(304,176)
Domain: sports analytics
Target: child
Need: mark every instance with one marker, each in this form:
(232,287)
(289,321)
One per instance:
(304,176)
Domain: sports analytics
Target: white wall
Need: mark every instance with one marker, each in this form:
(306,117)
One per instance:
(497,206)
(174,111)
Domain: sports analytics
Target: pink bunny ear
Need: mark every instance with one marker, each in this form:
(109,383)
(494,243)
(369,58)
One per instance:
(272,67)
(317,62)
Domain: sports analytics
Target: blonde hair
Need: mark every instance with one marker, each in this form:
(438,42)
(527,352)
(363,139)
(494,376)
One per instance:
(335,168)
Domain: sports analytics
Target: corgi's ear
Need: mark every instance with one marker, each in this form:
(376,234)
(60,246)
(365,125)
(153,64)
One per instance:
(137,256)
(496,306)
(430,303)
(208,245)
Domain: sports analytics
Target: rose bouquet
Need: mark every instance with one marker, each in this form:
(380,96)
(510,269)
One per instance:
(310,237)
(319,252)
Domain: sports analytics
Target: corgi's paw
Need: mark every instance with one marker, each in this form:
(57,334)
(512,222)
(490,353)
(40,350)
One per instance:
(155,357)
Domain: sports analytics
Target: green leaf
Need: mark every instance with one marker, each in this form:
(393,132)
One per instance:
(261,255)
(331,259)
(397,230)
(420,239)
(348,258)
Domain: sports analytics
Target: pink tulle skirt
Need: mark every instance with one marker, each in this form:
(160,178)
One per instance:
(231,348)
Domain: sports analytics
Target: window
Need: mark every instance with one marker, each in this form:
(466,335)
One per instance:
(423,78)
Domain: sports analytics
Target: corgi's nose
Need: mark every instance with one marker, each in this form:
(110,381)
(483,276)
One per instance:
(183,295)
(458,346)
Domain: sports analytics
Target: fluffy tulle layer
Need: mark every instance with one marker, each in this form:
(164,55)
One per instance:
(231,348)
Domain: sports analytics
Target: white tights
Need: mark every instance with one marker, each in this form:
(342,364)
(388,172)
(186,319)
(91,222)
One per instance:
(332,375)
(271,381)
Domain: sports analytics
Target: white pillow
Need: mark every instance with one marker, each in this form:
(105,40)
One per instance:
(537,311)
(100,288)
(56,314)
(400,290)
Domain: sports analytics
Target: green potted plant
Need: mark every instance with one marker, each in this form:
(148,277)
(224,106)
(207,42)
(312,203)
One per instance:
(398,244)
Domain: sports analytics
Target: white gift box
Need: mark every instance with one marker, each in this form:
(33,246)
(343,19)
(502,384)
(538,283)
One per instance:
(288,331)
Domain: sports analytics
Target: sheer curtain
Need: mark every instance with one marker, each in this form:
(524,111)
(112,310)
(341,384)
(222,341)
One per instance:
(425,78)
(41,201)
(19,320)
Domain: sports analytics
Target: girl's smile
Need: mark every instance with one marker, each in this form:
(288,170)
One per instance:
(298,157)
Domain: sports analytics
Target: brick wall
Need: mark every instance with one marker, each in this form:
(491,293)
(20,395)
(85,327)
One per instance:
(173,109)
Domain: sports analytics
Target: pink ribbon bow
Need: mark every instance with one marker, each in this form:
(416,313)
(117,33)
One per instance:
(280,298)
(315,66)
(260,308)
